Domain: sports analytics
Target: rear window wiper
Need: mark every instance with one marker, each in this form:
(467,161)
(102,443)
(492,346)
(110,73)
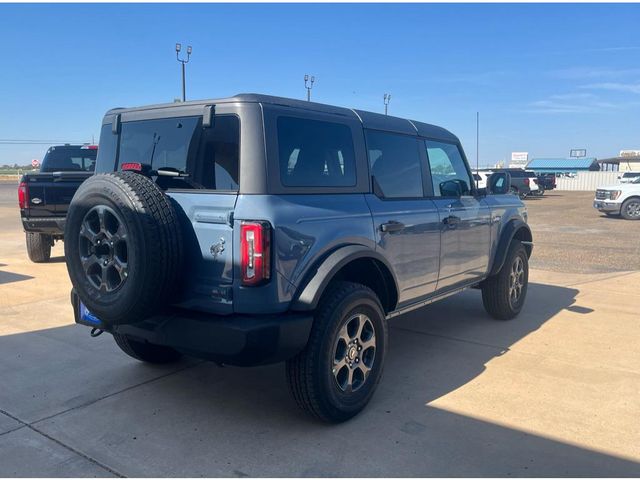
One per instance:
(170,172)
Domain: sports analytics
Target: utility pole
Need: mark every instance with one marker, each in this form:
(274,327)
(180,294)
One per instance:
(308,84)
(183,62)
(386,99)
(477,144)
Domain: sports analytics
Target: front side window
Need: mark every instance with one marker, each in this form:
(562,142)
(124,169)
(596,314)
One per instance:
(314,153)
(449,172)
(395,164)
(205,158)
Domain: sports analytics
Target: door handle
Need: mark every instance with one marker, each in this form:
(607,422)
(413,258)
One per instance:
(391,226)
(451,220)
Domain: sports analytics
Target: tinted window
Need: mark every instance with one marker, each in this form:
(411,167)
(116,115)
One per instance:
(209,157)
(69,159)
(447,166)
(395,164)
(315,154)
(107,149)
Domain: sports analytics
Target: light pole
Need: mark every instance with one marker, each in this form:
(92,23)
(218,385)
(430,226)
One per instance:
(308,84)
(183,62)
(387,99)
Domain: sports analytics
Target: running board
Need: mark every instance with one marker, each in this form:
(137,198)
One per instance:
(428,301)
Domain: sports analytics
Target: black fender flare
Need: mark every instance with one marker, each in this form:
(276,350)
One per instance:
(310,291)
(512,228)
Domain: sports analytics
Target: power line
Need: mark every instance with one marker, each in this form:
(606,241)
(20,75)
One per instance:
(14,141)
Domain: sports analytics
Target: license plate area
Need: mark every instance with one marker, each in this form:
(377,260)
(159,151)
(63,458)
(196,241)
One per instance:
(82,315)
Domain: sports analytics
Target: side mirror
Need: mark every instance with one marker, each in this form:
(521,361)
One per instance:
(499,183)
(452,188)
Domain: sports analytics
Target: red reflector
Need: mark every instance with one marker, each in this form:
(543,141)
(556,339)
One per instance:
(135,166)
(23,195)
(526,181)
(255,252)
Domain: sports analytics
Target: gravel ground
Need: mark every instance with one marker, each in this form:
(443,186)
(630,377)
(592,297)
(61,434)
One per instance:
(571,236)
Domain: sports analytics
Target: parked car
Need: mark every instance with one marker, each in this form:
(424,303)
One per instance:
(628,177)
(622,199)
(522,182)
(44,196)
(546,181)
(481,177)
(258,229)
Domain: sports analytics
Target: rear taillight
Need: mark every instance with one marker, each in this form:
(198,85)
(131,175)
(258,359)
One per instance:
(255,252)
(526,181)
(23,195)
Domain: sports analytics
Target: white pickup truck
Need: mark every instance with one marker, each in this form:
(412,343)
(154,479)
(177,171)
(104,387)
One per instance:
(622,199)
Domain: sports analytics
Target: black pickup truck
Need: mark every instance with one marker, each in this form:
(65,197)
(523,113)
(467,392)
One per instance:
(44,196)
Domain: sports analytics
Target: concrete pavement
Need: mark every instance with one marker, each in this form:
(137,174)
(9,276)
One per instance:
(554,392)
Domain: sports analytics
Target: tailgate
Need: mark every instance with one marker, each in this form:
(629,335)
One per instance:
(63,187)
(208,241)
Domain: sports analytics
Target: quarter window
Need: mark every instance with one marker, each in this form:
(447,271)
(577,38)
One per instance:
(395,164)
(447,168)
(313,153)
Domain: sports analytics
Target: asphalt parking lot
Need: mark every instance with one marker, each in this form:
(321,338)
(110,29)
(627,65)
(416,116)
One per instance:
(552,393)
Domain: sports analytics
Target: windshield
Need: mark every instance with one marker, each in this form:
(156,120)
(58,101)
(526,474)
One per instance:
(69,159)
(208,157)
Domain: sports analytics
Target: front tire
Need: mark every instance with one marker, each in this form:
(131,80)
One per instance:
(146,352)
(631,209)
(504,293)
(39,247)
(335,376)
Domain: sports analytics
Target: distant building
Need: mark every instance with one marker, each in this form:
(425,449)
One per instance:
(623,163)
(564,165)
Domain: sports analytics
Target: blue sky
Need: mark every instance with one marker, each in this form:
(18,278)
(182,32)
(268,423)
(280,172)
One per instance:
(546,78)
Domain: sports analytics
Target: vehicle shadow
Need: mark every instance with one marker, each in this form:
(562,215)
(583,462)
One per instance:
(196,418)
(10,277)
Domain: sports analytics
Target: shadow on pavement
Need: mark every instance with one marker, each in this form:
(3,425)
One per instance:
(212,421)
(9,277)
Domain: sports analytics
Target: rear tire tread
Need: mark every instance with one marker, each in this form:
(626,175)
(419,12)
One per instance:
(146,352)
(39,247)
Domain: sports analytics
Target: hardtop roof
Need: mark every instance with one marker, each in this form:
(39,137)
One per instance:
(368,119)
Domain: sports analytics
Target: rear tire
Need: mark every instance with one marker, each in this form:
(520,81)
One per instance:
(504,293)
(39,247)
(146,352)
(335,376)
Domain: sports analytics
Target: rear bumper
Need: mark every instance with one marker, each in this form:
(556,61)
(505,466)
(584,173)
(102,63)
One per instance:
(49,225)
(243,340)
(607,206)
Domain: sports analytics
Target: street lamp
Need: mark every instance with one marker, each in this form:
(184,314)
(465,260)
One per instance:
(308,84)
(387,99)
(183,62)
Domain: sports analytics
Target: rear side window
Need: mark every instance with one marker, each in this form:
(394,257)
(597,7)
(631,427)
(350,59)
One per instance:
(206,158)
(395,164)
(314,153)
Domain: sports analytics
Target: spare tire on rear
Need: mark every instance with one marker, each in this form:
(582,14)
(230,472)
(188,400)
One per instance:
(123,246)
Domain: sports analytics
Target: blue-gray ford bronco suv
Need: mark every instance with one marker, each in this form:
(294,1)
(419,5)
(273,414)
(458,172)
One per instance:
(256,229)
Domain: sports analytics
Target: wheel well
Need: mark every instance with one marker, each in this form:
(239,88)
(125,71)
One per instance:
(375,275)
(524,235)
